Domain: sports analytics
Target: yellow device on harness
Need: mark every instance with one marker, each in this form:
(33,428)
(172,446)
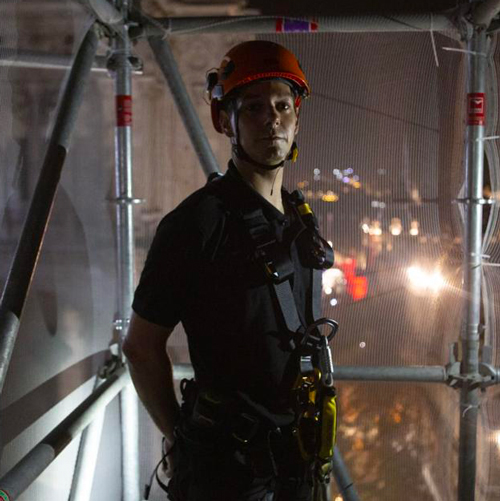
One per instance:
(316,427)
(316,397)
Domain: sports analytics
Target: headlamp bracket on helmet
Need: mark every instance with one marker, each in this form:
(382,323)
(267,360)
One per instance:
(213,89)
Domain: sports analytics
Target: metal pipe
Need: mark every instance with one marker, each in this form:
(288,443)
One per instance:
(129,415)
(86,461)
(484,12)
(423,374)
(183,371)
(42,60)
(24,473)
(104,10)
(125,245)
(342,477)
(28,250)
(469,402)
(168,66)
(151,27)
(122,71)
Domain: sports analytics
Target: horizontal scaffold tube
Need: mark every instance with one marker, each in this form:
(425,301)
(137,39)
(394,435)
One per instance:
(24,473)
(424,374)
(270,24)
(43,60)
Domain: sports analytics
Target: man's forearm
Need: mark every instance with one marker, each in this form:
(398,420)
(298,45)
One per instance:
(153,380)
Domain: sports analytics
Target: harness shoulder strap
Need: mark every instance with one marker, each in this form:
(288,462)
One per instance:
(277,264)
(275,257)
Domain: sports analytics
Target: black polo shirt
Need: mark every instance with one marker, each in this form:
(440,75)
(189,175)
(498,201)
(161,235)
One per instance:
(200,271)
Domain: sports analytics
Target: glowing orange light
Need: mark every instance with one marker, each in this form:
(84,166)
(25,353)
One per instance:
(358,445)
(359,288)
(330,196)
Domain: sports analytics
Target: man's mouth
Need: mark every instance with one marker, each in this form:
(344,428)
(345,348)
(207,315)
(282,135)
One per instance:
(273,138)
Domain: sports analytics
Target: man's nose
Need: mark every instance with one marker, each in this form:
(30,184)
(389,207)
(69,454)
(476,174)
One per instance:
(272,117)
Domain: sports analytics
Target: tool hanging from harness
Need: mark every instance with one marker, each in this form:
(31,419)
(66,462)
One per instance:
(314,393)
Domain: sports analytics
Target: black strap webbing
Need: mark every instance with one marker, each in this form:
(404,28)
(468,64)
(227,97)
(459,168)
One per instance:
(286,301)
(316,287)
(264,241)
(276,259)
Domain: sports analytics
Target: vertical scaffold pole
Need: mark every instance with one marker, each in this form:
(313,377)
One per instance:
(474,154)
(129,407)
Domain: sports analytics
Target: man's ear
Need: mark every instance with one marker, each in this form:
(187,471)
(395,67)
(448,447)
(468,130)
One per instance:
(225,124)
(297,124)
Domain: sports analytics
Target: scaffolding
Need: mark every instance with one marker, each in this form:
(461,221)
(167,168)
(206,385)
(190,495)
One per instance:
(121,24)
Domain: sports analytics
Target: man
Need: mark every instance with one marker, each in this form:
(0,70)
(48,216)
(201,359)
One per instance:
(233,264)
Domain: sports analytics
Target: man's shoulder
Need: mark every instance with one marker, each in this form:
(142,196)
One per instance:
(203,210)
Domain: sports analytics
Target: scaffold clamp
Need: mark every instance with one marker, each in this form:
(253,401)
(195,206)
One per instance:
(487,376)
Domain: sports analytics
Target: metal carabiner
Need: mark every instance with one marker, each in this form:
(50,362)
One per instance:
(314,326)
(320,340)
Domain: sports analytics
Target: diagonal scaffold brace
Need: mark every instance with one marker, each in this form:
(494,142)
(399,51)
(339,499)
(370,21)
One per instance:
(28,250)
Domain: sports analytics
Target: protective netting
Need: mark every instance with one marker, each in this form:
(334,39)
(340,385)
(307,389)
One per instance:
(381,144)
(381,148)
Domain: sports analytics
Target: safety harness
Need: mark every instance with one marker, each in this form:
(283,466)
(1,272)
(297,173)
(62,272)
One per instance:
(314,395)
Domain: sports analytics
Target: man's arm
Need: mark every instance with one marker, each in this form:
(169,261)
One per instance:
(151,371)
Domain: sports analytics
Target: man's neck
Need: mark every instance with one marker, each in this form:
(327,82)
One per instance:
(266,183)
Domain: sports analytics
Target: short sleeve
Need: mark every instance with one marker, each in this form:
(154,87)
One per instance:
(172,261)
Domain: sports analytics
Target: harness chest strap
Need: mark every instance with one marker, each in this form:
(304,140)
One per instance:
(275,258)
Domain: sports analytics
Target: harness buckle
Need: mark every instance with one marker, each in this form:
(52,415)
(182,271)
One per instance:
(244,428)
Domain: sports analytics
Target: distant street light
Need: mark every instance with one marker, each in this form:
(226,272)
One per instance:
(422,280)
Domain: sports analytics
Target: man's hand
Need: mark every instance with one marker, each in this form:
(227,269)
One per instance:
(170,461)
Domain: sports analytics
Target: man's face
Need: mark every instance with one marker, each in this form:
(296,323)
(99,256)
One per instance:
(267,121)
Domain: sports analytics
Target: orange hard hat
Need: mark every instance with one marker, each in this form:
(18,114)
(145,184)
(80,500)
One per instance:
(251,61)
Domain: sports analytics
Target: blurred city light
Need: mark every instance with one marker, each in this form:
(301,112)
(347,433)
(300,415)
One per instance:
(375,228)
(422,280)
(331,278)
(496,437)
(330,196)
(396,228)
(414,228)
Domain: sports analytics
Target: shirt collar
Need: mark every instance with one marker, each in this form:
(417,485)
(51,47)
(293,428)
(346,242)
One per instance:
(250,195)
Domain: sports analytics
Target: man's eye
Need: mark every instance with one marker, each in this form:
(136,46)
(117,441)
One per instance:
(284,106)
